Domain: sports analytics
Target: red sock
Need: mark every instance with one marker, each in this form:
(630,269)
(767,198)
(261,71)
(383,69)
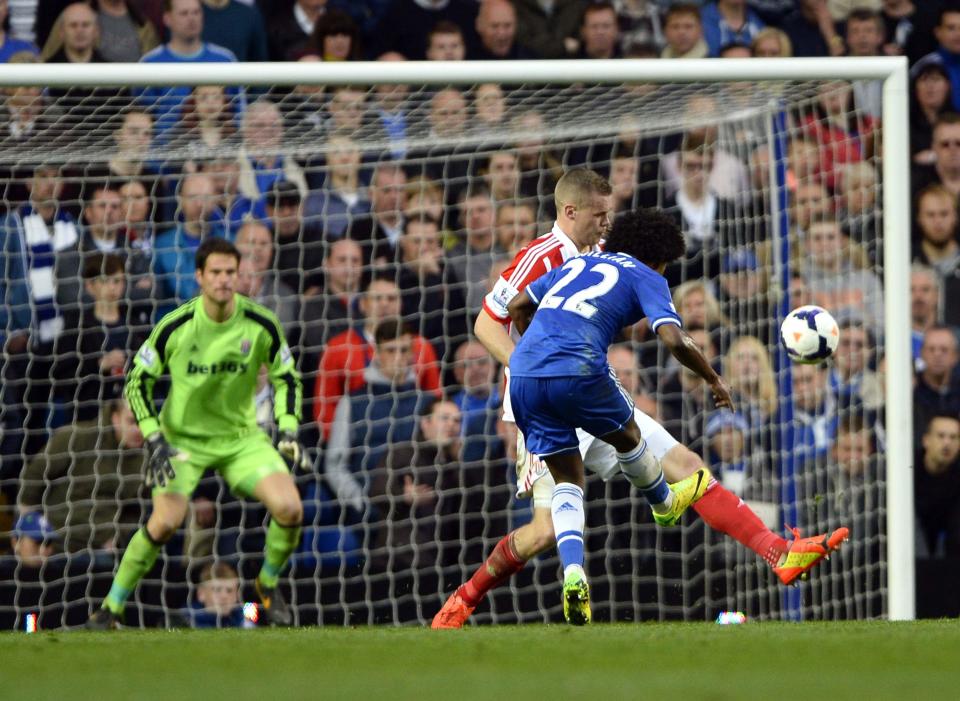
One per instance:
(724,511)
(501,564)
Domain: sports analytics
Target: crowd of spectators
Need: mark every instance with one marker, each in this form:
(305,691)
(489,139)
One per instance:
(373,227)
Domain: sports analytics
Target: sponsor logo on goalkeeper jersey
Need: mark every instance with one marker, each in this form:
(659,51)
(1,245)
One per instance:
(223,367)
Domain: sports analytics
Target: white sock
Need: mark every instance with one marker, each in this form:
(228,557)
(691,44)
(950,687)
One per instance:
(646,474)
(568,520)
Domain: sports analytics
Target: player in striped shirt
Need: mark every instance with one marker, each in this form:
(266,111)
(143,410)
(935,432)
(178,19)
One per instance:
(584,210)
(212,348)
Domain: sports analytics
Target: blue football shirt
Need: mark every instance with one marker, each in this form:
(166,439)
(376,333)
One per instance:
(581,307)
(166,104)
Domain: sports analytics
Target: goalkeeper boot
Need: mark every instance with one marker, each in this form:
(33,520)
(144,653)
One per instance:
(454,613)
(103,619)
(685,492)
(276,611)
(576,597)
(804,553)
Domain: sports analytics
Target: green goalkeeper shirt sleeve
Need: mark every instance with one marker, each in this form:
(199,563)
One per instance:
(148,365)
(287,387)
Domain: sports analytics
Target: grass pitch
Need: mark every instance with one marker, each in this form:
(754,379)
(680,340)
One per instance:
(682,662)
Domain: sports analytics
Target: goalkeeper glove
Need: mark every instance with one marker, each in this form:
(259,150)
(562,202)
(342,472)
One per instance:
(159,467)
(288,445)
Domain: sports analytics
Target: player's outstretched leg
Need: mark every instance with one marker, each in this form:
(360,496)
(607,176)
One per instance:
(508,557)
(644,471)
(804,553)
(279,494)
(686,492)
(169,510)
(720,508)
(727,513)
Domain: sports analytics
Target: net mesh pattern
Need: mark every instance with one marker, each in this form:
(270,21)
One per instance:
(775,185)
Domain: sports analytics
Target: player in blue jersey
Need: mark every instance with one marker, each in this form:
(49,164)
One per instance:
(560,379)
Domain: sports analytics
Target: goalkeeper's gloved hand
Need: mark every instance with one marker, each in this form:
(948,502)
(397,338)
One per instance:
(288,445)
(159,467)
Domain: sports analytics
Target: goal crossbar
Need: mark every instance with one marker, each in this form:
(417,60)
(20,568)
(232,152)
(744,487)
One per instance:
(603,71)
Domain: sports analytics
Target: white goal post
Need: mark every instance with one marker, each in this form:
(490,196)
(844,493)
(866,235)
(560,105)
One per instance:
(896,207)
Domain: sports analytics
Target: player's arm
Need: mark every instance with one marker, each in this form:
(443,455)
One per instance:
(688,353)
(288,396)
(653,293)
(494,337)
(148,365)
(287,388)
(491,325)
(524,304)
(521,310)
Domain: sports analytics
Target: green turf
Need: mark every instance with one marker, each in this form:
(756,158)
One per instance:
(681,662)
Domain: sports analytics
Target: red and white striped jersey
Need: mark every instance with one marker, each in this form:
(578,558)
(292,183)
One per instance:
(537,258)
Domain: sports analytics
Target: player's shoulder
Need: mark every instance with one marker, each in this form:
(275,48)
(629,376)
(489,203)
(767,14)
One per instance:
(645,272)
(171,325)
(261,317)
(631,270)
(173,320)
(625,261)
(541,246)
(543,253)
(256,312)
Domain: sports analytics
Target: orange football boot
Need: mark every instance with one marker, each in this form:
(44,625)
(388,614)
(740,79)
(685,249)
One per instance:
(454,613)
(804,553)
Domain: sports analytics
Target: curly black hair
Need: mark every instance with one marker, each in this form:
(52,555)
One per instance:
(649,235)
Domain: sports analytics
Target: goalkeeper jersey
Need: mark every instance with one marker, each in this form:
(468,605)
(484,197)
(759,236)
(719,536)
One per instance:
(213,370)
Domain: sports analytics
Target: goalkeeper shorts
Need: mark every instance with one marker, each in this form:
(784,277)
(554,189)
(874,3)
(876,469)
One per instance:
(242,462)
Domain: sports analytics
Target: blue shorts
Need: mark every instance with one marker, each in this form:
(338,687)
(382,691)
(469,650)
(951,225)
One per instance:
(549,410)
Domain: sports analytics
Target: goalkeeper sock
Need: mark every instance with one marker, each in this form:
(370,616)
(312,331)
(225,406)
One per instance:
(643,470)
(499,566)
(138,559)
(281,542)
(568,520)
(724,511)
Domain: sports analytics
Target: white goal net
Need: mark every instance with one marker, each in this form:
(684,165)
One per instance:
(354,202)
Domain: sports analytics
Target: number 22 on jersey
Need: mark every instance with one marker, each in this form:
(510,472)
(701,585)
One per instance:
(579,302)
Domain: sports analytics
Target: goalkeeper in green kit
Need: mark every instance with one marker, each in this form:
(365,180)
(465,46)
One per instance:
(213,347)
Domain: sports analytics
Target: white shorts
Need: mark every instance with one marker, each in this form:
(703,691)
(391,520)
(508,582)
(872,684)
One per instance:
(599,457)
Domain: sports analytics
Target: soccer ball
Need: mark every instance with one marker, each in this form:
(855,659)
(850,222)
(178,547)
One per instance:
(809,334)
